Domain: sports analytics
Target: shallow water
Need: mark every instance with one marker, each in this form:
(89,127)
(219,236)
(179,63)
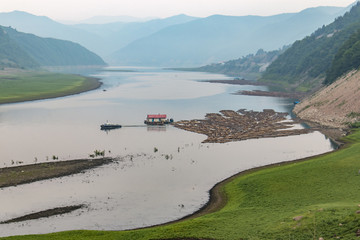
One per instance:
(142,187)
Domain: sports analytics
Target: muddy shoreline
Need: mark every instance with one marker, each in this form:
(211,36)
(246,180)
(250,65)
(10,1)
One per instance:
(335,134)
(261,93)
(45,213)
(237,82)
(13,176)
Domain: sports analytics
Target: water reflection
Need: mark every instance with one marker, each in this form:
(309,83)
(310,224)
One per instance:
(156,128)
(107,130)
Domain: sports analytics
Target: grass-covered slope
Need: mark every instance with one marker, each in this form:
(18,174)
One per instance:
(303,67)
(309,199)
(27,86)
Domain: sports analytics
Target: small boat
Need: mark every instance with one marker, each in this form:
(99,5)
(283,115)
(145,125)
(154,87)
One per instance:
(157,119)
(109,126)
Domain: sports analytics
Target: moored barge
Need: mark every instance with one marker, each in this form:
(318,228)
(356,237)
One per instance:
(157,119)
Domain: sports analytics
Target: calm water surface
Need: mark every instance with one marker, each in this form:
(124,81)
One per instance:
(142,187)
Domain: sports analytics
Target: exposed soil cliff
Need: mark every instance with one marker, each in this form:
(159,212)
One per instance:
(334,106)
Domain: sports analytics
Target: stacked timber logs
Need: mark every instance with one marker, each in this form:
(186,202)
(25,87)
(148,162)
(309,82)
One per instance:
(241,125)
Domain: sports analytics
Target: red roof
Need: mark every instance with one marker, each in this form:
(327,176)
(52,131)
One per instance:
(156,116)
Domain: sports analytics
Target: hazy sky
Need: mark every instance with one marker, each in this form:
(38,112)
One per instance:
(82,9)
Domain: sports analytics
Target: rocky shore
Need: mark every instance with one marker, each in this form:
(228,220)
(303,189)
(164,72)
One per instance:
(241,125)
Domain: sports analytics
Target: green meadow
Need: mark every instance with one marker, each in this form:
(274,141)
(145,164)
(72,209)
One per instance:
(27,86)
(311,199)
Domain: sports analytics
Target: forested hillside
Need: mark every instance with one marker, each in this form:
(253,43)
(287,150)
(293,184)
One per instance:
(346,59)
(11,55)
(53,52)
(303,67)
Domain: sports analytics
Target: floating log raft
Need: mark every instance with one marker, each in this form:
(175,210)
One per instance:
(241,125)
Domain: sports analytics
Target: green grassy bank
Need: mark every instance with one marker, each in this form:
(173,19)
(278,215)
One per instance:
(27,86)
(322,193)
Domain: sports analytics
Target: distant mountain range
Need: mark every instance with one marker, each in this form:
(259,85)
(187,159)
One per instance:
(22,50)
(103,39)
(180,40)
(119,34)
(218,38)
(108,19)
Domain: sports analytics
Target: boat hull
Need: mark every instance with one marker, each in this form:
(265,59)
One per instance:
(110,126)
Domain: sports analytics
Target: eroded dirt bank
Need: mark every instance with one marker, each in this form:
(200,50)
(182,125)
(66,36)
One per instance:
(335,106)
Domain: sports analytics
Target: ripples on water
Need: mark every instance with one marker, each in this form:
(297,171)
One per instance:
(142,187)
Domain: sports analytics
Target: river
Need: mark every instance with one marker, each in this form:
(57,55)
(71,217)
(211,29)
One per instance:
(142,187)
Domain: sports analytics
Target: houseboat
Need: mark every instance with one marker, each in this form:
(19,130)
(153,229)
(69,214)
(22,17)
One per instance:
(157,119)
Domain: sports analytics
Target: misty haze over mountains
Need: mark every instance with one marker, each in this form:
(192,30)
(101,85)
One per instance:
(181,40)
(107,19)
